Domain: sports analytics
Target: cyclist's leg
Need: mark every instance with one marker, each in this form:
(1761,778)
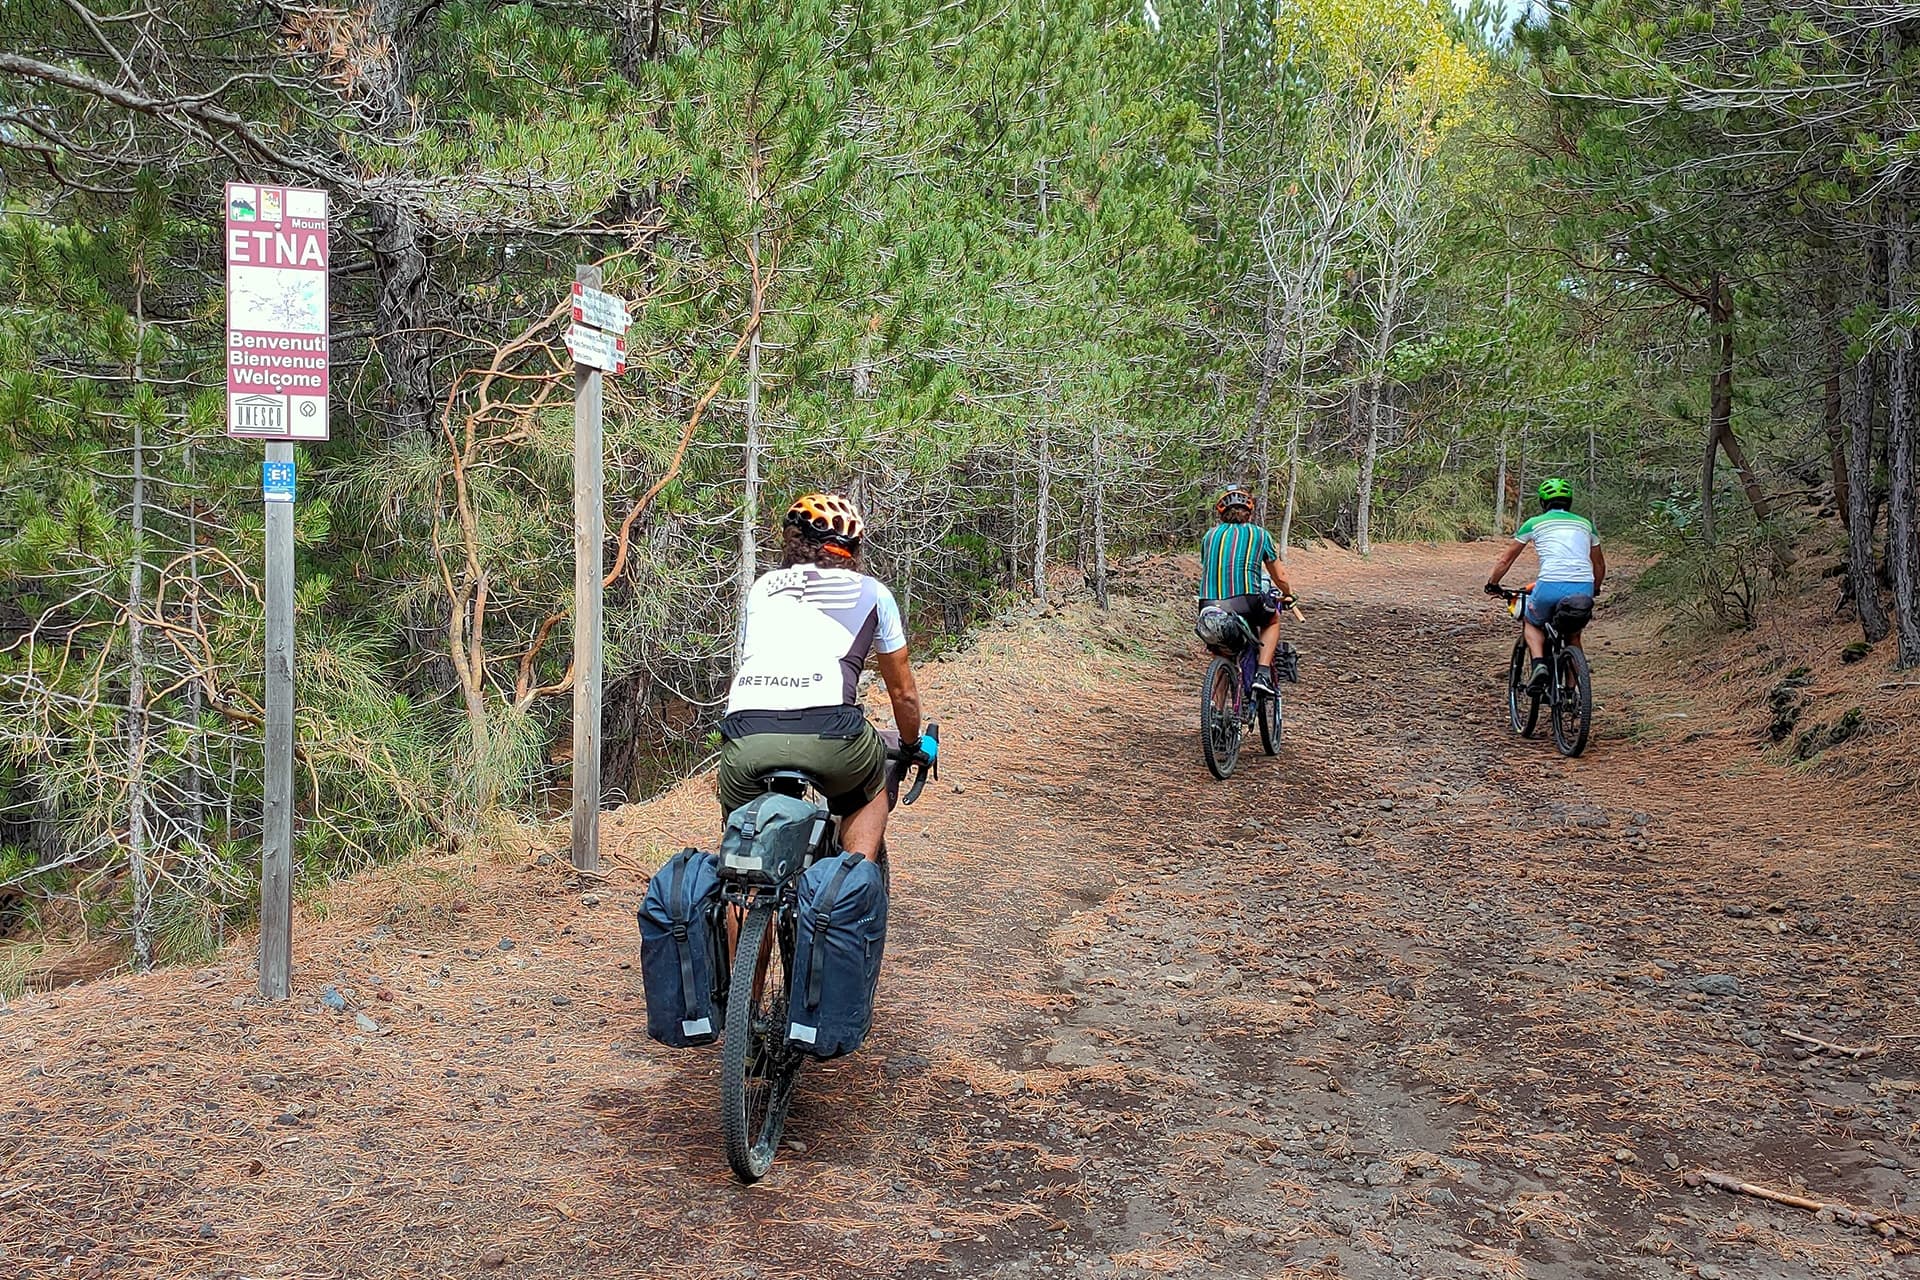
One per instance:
(854,774)
(1536,641)
(1269,639)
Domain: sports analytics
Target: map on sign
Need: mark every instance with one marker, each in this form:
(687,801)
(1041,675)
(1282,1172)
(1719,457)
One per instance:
(278,353)
(600,309)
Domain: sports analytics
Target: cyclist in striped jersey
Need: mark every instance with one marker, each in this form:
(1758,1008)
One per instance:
(1240,571)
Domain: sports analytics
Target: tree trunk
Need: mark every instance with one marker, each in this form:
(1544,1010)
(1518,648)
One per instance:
(1833,416)
(1259,430)
(1865,386)
(1719,411)
(748,568)
(1363,517)
(137,684)
(1099,521)
(1500,486)
(1720,437)
(1042,500)
(196,815)
(1293,445)
(400,318)
(1903,454)
(1293,486)
(1860,566)
(1376,390)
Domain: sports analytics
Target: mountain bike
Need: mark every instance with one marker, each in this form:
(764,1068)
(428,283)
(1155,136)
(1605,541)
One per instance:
(1228,704)
(1568,697)
(758,1066)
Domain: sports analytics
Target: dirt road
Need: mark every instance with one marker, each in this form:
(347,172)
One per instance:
(1412,1000)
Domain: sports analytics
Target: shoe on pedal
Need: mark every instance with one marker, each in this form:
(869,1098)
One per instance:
(1537,685)
(1263,681)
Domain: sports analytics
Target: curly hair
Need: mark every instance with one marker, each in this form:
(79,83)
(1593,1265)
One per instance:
(796,547)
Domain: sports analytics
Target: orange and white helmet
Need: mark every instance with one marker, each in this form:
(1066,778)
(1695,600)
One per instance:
(830,518)
(1235,496)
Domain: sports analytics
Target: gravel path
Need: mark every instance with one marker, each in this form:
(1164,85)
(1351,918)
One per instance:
(1414,999)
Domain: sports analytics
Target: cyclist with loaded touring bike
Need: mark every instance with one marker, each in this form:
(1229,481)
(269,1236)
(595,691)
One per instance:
(773,945)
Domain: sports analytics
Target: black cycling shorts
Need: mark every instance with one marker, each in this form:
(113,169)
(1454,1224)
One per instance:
(1258,610)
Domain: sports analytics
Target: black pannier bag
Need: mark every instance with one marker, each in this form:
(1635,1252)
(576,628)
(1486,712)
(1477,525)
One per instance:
(842,931)
(767,837)
(1286,663)
(1571,613)
(680,950)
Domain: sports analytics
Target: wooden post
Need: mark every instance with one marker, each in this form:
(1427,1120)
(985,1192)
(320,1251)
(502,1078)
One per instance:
(276,823)
(589,541)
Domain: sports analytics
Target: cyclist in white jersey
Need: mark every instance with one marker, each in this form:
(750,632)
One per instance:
(1570,565)
(807,631)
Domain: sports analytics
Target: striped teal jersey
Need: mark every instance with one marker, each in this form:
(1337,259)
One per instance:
(1231,556)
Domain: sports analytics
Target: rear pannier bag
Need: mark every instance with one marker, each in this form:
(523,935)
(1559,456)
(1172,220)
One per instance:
(842,930)
(679,950)
(767,837)
(1286,663)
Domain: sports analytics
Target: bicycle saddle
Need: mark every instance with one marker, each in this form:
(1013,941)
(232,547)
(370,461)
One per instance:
(793,782)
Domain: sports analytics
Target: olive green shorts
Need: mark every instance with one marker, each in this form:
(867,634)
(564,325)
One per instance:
(851,771)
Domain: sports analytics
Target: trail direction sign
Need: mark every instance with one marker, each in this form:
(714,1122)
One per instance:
(276,481)
(600,309)
(277,342)
(597,349)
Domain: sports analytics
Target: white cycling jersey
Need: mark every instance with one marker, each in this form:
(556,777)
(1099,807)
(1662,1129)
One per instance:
(1564,543)
(806,635)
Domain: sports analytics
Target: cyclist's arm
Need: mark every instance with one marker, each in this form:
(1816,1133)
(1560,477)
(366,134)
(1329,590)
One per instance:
(903,692)
(1599,569)
(1506,560)
(1279,576)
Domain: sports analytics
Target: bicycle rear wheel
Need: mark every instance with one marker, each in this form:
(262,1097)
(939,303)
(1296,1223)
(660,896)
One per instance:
(1573,708)
(1523,710)
(757,1067)
(1220,717)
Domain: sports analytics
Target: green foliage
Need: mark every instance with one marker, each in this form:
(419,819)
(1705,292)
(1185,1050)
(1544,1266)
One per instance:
(1035,278)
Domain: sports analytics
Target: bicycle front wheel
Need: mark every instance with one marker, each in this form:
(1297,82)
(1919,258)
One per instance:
(757,1066)
(1220,717)
(1573,709)
(1268,709)
(1523,710)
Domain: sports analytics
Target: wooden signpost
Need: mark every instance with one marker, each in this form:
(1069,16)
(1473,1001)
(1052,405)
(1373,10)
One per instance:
(598,347)
(278,357)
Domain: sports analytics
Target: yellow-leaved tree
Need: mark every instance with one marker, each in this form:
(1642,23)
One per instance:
(1374,184)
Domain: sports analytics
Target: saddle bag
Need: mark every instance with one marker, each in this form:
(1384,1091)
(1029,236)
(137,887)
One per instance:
(1225,634)
(767,837)
(680,950)
(841,933)
(1571,614)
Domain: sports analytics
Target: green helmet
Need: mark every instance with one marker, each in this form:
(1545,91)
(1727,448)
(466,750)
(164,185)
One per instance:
(1554,487)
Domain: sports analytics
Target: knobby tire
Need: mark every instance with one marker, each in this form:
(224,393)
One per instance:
(757,1069)
(1522,721)
(1268,711)
(1573,708)
(1220,725)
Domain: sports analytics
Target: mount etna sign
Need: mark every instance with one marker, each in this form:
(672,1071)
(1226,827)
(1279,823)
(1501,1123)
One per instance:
(277,348)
